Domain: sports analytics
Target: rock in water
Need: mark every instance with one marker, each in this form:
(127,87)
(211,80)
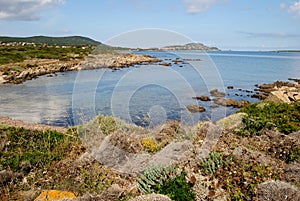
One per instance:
(195,108)
(216,93)
(202,98)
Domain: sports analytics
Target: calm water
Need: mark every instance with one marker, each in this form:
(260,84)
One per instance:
(147,94)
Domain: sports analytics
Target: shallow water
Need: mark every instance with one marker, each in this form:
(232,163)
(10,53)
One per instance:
(147,94)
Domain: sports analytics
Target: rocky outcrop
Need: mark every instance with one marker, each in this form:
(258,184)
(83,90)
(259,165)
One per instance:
(195,108)
(117,60)
(37,67)
(228,102)
(272,89)
(285,95)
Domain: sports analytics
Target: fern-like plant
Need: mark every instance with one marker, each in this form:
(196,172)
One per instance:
(168,181)
(212,163)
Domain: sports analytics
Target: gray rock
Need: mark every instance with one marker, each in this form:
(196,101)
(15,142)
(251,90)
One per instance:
(278,190)
(151,197)
(231,122)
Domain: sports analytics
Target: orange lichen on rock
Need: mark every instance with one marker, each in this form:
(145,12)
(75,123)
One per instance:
(54,195)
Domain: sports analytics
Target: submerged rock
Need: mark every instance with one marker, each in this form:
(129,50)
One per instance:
(216,93)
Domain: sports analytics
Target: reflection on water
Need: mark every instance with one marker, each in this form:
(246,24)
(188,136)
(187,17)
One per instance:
(145,95)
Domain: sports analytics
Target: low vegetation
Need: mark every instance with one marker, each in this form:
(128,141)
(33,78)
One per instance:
(168,181)
(13,54)
(39,160)
(267,115)
(36,148)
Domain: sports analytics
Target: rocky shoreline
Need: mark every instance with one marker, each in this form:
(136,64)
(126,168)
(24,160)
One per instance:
(279,92)
(33,68)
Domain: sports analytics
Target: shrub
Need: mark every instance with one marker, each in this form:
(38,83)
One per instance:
(39,148)
(285,117)
(107,124)
(150,145)
(167,181)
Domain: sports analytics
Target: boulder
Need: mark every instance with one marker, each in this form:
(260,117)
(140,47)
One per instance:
(231,122)
(195,108)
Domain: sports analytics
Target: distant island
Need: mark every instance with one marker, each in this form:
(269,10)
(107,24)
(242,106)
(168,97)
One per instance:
(189,46)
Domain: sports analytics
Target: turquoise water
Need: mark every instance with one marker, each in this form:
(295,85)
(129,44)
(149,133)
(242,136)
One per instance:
(147,95)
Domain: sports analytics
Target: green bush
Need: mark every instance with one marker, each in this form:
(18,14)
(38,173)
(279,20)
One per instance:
(39,148)
(285,117)
(167,181)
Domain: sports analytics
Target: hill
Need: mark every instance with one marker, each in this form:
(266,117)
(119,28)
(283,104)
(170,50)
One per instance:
(189,46)
(69,40)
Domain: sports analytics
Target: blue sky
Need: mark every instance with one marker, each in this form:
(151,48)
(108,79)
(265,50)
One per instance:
(227,24)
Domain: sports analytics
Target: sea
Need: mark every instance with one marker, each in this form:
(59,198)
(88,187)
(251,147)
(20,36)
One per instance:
(148,95)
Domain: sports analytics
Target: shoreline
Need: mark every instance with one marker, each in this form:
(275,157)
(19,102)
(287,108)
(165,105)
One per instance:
(33,68)
(8,121)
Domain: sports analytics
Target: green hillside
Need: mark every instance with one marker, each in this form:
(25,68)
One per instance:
(69,40)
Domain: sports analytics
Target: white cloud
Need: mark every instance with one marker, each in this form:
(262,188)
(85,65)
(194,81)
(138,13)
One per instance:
(197,6)
(295,8)
(282,6)
(25,9)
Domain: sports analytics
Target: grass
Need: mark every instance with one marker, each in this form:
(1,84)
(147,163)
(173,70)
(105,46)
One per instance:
(282,116)
(38,148)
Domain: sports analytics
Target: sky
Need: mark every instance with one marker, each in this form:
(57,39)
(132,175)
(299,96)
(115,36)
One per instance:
(226,24)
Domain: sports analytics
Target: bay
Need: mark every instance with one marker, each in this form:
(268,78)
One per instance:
(147,95)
